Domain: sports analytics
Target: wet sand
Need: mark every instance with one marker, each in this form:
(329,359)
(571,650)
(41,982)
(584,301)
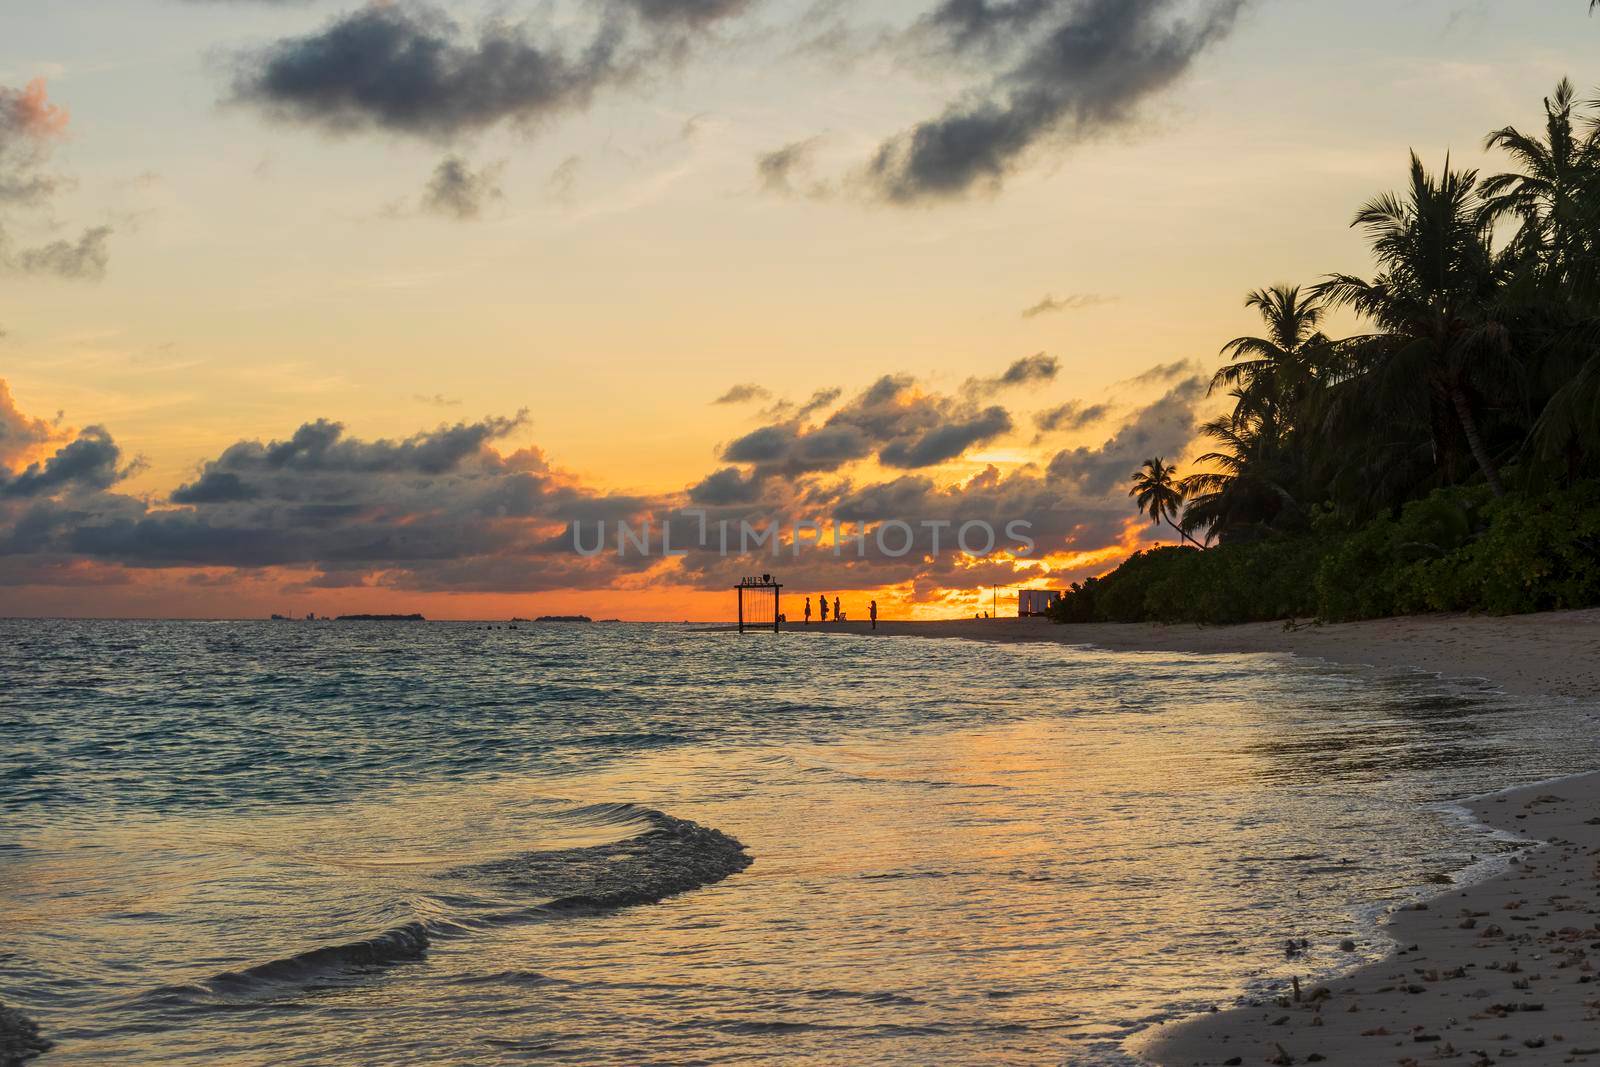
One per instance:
(1498,972)
(1501,971)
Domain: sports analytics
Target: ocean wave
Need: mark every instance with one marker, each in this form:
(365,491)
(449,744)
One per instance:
(19,1037)
(673,856)
(668,857)
(398,945)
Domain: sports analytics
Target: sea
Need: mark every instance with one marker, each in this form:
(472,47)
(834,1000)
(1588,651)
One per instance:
(462,843)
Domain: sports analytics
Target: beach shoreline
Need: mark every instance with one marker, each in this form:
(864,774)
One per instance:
(1488,972)
(1482,973)
(1554,654)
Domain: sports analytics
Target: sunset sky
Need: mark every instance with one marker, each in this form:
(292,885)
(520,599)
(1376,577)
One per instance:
(322,306)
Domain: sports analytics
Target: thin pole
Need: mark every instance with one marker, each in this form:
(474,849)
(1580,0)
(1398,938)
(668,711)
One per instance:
(775,590)
(740,593)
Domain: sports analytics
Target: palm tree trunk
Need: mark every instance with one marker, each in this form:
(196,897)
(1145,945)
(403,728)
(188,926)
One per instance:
(1185,535)
(1469,426)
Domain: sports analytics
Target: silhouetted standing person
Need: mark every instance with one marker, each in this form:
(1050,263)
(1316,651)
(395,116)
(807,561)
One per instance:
(823,602)
(872,613)
(838,616)
(808,611)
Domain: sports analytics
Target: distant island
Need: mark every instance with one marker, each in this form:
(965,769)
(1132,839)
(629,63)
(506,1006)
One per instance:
(563,618)
(381,618)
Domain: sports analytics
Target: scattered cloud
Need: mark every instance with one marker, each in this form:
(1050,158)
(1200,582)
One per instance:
(1029,370)
(946,441)
(821,400)
(1162,373)
(789,171)
(1089,71)
(458,192)
(410,68)
(894,420)
(454,509)
(745,393)
(1070,302)
(1073,415)
(30,126)
(563,180)
(1163,428)
(88,462)
(438,400)
(84,258)
(727,487)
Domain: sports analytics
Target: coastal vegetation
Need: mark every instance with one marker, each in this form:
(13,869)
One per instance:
(1447,457)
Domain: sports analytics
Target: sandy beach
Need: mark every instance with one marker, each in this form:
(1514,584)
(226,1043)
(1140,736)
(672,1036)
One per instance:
(1553,654)
(1493,972)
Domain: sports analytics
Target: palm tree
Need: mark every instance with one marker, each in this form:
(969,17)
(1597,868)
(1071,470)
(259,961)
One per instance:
(1553,196)
(1248,488)
(1435,303)
(1155,485)
(1276,370)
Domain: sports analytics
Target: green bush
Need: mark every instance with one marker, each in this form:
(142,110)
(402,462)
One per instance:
(1541,554)
(1456,550)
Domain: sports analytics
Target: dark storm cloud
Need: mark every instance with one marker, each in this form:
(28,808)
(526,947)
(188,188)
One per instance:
(457,191)
(1089,72)
(946,442)
(725,488)
(1058,520)
(688,11)
(968,24)
(765,445)
(411,68)
(426,511)
(790,449)
(90,462)
(215,487)
(322,447)
(904,427)
(448,510)
(1163,428)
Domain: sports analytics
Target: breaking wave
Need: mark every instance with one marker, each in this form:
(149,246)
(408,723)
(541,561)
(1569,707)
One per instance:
(669,856)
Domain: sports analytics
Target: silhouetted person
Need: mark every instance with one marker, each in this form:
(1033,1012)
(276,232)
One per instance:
(822,601)
(872,613)
(808,611)
(838,616)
